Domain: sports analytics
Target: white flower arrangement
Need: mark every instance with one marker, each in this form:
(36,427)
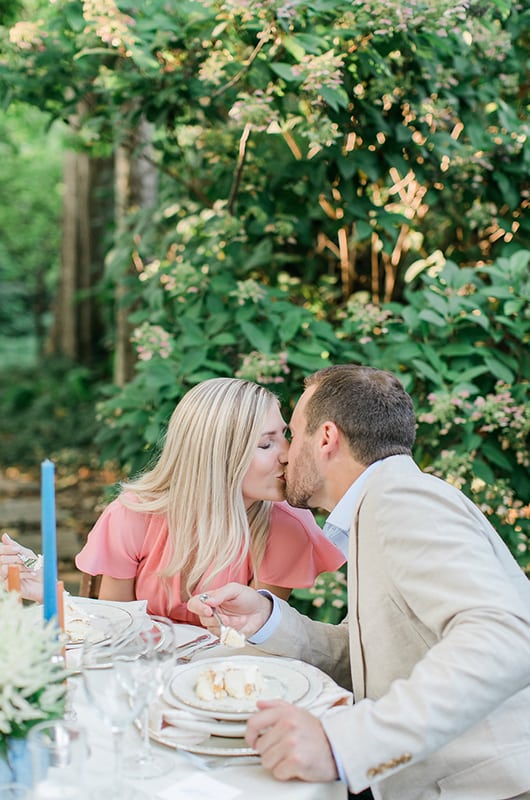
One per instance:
(32,674)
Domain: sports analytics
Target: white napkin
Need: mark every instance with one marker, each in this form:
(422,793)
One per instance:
(200,787)
(177,726)
(331,695)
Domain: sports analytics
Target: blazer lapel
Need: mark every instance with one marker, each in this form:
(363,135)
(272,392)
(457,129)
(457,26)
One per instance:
(356,648)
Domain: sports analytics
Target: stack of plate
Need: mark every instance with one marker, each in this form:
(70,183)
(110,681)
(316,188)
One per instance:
(94,620)
(224,720)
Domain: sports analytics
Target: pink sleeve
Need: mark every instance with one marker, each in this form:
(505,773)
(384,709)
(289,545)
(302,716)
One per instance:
(297,550)
(114,544)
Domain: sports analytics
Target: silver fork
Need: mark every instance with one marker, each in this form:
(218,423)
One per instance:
(201,638)
(186,657)
(30,562)
(223,629)
(228,636)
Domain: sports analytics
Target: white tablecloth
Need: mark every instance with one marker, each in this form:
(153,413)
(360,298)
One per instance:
(192,776)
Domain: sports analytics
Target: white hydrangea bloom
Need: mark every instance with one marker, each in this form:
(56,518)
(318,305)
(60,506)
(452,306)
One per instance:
(32,674)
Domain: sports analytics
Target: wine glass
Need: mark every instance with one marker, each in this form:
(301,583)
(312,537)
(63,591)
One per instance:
(59,752)
(148,763)
(117,681)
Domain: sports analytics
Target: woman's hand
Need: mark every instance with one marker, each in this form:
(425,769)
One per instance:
(30,578)
(239,606)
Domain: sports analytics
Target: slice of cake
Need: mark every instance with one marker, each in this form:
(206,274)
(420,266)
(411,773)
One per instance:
(77,624)
(244,682)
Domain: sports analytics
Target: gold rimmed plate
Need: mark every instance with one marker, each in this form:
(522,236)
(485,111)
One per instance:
(210,746)
(284,679)
(93,621)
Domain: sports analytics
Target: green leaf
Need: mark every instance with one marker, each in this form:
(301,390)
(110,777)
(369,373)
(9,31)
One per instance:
(509,192)
(500,292)
(218,366)
(472,372)
(519,261)
(261,255)
(294,47)
(363,230)
(309,43)
(426,371)
(285,71)
(434,319)
(192,359)
(493,453)
(152,433)
(513,307)
(223,339)
(290,324)
(407,351)
(259,340)
(336,98)
(306,362)
(457,349)
(483,471)
(499,370)
(438,303)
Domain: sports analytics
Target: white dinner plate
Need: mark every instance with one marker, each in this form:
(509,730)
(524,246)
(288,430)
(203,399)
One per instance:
(213,746)
(232,729)
(284,679)
(93,621)
(186,633)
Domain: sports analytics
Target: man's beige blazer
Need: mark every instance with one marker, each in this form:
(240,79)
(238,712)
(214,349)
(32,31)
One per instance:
(436,647)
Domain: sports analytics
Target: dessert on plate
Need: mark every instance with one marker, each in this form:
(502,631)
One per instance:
(244,682)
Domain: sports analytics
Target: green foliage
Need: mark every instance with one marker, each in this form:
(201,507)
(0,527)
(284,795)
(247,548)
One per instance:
(46,411)
(460,344)
(351,129)
(30,211)
(326,600)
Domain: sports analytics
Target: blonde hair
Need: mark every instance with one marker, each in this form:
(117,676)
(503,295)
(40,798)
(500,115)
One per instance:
(197,481)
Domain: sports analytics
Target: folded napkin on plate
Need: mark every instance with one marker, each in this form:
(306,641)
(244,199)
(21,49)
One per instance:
(331,695)
(177,726)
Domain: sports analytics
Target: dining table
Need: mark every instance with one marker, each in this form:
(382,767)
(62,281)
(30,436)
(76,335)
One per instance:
(193,775)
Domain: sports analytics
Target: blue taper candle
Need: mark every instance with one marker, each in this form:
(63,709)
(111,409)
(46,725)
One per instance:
(49,540)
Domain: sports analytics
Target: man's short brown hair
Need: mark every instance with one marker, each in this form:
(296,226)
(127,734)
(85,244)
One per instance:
(370,407)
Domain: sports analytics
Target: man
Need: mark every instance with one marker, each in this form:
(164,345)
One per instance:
(438,632)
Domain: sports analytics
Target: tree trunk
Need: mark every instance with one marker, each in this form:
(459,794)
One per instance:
(77,329)
(135,187)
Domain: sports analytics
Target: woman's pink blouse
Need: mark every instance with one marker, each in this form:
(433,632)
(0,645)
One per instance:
(129,544)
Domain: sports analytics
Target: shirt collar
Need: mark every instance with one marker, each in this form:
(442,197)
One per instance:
(338,524)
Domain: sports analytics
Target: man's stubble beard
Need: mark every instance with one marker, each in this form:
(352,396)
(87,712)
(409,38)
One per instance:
(300,489)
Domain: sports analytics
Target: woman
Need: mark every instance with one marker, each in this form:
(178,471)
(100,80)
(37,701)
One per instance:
(210,511)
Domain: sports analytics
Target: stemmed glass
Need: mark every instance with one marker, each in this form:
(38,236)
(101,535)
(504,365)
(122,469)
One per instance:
(148,763)
(117,679)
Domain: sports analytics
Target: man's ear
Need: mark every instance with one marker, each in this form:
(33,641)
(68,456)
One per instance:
(329,438)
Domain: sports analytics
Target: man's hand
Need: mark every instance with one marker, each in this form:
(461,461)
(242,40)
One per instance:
(239,606)
(291,742)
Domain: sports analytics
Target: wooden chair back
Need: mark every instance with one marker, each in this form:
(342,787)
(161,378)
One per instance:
(89,585)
